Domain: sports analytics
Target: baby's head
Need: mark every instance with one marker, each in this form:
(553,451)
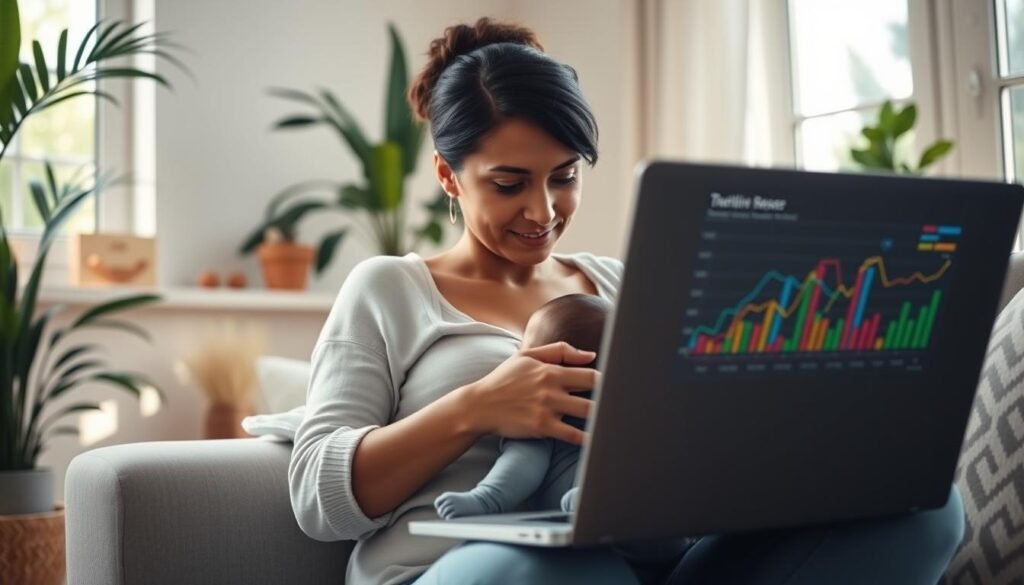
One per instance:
(576,319)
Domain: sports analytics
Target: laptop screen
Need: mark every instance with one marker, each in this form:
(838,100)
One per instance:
(783,284)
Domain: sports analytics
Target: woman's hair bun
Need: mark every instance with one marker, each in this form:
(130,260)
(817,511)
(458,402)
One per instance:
(460,40)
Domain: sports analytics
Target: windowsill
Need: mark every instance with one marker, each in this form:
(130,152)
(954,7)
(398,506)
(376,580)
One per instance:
(261,300)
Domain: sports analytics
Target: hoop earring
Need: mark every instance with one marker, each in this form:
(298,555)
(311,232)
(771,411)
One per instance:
(451,210)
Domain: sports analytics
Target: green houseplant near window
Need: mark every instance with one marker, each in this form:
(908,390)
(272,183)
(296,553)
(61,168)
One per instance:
(880,153)
(377,199)
(42,363)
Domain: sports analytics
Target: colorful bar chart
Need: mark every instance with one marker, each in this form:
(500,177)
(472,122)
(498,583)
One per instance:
(881,292)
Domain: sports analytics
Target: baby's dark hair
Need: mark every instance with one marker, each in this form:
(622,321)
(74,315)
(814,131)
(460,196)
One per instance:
(577,319)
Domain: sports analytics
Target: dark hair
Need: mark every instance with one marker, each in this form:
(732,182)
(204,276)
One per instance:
(478,76)
(577,319)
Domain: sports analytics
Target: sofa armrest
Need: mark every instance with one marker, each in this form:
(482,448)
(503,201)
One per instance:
(190,512)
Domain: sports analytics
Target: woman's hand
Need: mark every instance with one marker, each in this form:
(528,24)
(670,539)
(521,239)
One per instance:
(528,394)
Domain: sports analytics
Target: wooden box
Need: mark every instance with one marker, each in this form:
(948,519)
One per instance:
(112,260)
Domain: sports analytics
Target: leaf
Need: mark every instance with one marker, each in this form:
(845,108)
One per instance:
(904,121)
(28,82)
(349,128)
(10,45)
(873,134)
(327,248)
(39,198)
(434,232)
(115,306)
(51,181)
(62,48)
(285,222)
(125,72)
(886,118)
(26,346)
(128,382)
(294,94)
(49,102)
(934,152)
(254,239)
(355,197)
(396,110)
(68,375)
(297,122)
(386,174)
(72,353)
(41,70)
(76,66)
(278,199)
(62,430)
(401,127)
(867,159)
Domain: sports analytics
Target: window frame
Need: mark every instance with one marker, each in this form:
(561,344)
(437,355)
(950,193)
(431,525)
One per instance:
(127,208)
(921,40)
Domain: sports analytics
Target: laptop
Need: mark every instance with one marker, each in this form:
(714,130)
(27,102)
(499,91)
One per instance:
(788,348)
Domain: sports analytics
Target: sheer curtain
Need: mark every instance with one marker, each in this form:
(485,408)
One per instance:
(711,81)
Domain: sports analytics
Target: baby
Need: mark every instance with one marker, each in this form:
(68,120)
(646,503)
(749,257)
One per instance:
(577,319)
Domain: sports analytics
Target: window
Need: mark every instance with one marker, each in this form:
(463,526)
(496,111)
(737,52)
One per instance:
(64,135)
(846,59)
(1010,79)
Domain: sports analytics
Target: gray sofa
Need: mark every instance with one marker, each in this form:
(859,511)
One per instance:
(218,512)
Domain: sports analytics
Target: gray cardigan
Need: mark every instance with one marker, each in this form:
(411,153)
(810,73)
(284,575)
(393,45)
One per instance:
(390,346)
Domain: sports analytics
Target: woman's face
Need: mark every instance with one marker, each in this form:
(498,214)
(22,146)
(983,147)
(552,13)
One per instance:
(518,191)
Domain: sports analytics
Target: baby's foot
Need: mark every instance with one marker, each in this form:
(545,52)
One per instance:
(569,500)
(455,504)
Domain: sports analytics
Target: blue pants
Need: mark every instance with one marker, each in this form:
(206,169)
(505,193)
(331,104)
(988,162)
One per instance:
(911,549)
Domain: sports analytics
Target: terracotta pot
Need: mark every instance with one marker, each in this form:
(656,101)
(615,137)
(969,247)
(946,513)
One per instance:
(285,264)
(32,548)
(224,421)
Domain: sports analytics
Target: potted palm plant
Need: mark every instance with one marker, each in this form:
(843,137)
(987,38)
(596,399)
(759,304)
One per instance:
(42,362)
(376,201)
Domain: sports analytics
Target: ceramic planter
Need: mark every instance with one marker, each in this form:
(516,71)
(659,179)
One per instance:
(285,265)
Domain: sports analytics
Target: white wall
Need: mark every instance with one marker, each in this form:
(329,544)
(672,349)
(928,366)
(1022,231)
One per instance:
(218,162)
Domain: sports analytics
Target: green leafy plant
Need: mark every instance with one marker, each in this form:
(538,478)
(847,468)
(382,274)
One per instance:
(377,200)
(881,150)
(40,363)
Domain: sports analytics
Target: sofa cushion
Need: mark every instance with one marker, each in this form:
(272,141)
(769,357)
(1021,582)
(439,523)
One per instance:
(283,382)
(991,469)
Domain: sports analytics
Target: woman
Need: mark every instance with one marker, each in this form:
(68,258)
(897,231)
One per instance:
(418,369)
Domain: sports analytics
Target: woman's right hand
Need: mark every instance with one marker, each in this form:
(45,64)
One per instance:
(529,393)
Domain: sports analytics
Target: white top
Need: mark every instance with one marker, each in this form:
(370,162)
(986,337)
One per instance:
(390,346)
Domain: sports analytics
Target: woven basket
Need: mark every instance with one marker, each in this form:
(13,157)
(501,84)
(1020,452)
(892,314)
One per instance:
(32,548)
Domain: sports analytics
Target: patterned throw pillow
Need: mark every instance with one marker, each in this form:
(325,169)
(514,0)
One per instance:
(991,469)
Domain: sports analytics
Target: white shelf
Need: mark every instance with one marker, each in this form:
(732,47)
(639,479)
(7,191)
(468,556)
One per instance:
(197,298)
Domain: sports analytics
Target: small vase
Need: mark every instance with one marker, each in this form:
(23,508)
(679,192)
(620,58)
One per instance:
(32,548)
(285,265)
(224,421)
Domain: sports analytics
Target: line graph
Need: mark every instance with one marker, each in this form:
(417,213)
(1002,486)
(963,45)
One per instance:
(820,290)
